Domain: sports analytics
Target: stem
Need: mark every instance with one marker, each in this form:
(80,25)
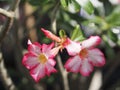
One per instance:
(63,73)
(6,13)
(4,30)
(60,65)
(9,22)
(53,18)
(5,77)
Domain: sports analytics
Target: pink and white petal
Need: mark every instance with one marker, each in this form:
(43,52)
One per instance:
(30,61)
(53,52)
(29,42)
(95,51)
(46,48)
(35,48)
(49,69)
(51,35)
(86,68)
(73,48)
(76,68)
(38,72)
(73,64)
(51,62)
(91,42)
(96,57)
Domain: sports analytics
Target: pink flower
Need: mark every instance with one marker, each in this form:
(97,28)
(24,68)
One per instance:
(84,56)
(39,59)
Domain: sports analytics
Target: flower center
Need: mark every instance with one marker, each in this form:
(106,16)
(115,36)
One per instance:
(64,41)
(42,58)
(83,53)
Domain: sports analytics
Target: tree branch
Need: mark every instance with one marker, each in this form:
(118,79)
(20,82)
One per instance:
(63,73)
(5,77)
(9,14)
(4,30)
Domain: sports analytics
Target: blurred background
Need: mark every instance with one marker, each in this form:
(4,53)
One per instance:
(98,17)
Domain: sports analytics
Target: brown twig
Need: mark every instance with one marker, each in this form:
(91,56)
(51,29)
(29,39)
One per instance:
(9,85)
(9,14)
(6,27)
(60,65)
(5,77)
(63,73)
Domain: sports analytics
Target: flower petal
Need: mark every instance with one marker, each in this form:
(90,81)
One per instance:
(53,52)
(86,68)
(73,64)
(29,42)
(38,72)
(96,57)
(30,61)
(34,48)
(73,48)
(52,62)
(46,48)
(51,35)
(49,69)
(91,42)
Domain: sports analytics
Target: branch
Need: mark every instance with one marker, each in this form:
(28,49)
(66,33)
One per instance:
(4,30)
(9,14)
(60,65)
(53,18)
(63,73)
(9,22)
(5,77)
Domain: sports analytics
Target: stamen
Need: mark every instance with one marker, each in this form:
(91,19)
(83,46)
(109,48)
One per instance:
(42,58)
(83,53)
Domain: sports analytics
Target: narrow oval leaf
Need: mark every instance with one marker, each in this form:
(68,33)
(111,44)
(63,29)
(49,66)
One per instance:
(112,36)
(64,3)
(86,5)
(77,34)
(77,6)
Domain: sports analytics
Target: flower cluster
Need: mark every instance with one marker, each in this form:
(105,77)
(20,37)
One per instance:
(83,56)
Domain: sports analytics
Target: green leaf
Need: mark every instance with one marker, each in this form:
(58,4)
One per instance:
(86,5)
(77,6)
(38,2)
(114,18)
(62,33)
(77,34)
(64,3)
(109,51)
(112,36)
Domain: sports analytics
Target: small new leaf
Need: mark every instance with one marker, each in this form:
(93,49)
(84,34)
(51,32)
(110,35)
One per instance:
(77,34)
(62,33)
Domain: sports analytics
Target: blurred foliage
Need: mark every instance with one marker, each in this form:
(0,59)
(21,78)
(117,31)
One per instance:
(78,19)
